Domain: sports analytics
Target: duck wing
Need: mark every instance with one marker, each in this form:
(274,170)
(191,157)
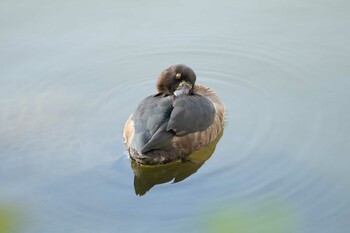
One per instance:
(150,120)
(191,113)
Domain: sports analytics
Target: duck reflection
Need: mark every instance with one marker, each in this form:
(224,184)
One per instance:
(147,176)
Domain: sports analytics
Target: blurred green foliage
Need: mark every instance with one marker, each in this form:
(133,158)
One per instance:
(268,218)
(8,219)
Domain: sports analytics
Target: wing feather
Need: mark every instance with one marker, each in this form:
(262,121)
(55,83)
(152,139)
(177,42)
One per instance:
(150,119)
(191,113)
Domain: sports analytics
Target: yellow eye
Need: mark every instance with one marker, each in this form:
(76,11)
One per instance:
(178,75)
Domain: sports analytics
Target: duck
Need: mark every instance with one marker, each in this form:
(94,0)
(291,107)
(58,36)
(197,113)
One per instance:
(180,118)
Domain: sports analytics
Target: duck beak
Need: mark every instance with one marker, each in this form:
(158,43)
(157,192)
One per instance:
(183,88)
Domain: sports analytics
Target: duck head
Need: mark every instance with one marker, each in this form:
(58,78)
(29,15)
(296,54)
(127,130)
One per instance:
(176,80)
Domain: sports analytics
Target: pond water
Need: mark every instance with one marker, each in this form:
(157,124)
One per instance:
(72,72)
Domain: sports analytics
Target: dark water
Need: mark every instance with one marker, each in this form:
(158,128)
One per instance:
(72,72)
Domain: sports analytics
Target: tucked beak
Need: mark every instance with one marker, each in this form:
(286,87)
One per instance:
(183,88)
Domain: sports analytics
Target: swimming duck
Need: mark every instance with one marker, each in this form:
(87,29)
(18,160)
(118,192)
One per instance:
(180,119)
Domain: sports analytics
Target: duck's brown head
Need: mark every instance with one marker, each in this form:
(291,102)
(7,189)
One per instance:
(176,80)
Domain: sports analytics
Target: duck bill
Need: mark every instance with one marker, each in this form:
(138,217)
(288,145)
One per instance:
(183,88)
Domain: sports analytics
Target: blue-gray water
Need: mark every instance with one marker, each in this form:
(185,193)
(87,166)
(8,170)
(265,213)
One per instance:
(72,72)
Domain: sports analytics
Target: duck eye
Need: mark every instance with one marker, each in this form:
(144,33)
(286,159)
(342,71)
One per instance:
(178,76)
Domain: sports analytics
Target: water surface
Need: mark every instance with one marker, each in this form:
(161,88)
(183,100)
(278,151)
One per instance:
(73,71)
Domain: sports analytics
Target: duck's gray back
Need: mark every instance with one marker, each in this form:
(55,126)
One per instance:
(159,118)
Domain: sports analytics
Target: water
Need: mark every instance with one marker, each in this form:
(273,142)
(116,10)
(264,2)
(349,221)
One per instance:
(73,71)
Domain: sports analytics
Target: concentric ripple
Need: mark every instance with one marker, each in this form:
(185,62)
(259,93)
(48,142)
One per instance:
(66,124)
